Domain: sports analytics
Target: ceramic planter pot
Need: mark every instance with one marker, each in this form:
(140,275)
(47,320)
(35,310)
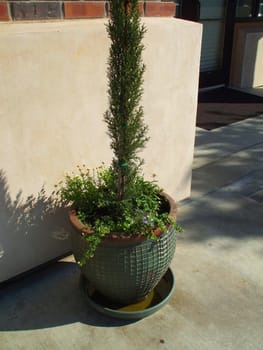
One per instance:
(125,270)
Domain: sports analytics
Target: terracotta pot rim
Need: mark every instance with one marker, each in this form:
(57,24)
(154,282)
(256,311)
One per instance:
(84,230)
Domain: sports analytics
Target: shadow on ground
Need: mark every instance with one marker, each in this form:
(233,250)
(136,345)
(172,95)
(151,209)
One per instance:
(211,146)
(224,106)
(48,298)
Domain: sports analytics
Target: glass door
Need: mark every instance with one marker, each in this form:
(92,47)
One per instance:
(213,16)
(217,17)
(260,9)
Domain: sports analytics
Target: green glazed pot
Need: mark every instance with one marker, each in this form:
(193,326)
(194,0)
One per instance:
(126,270)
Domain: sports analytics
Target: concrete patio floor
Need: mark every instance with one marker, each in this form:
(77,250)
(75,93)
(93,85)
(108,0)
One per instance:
(218,302)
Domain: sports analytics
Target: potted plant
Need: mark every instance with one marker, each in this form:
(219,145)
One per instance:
(124,238)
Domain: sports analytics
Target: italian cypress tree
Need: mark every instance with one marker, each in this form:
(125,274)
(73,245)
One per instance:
(118,199)
(124,117)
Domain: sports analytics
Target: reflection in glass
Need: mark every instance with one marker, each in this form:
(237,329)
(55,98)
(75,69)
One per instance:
(212,44)
(260,10)
(212,9)
(244,8)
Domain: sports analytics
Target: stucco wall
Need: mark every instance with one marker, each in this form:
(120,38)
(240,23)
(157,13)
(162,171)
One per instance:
(53,96)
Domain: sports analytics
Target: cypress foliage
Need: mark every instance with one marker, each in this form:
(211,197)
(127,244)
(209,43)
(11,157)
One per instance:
(124,117)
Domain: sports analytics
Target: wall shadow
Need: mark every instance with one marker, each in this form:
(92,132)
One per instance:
(45,297)
(32,231)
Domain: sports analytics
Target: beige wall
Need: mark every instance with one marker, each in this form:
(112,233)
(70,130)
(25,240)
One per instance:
(53,96)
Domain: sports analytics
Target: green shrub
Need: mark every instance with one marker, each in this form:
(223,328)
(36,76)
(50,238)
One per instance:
(97,205)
